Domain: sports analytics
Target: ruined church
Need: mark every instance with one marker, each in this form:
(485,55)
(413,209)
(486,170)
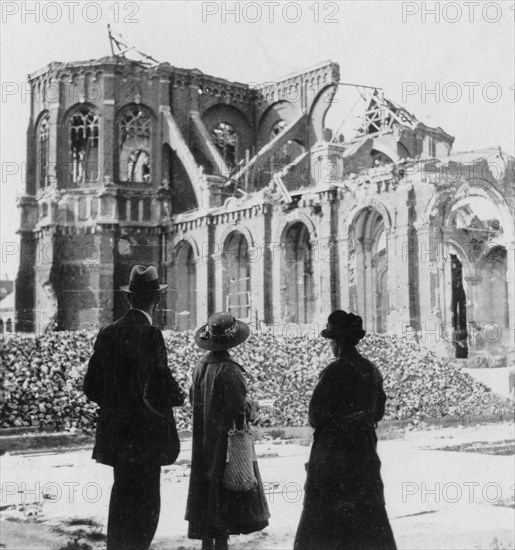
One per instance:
(246,201)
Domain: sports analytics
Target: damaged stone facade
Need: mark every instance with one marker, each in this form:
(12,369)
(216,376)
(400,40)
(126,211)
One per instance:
(245,201)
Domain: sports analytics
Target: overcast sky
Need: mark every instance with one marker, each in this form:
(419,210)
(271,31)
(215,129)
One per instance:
(399,46)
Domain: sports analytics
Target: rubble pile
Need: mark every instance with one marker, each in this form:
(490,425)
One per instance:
(41,380)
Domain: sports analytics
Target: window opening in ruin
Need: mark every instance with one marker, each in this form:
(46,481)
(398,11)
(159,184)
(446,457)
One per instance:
(297,281)
(225,138)
(138,167)
(283,155)
(84,146)
(380,264)
(493,292)
(135,145)
(459,309)
(277,128)
(183,288)
(368,270)
(42,153)
(236,276)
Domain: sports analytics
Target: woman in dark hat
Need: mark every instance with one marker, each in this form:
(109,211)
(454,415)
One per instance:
(344,505)
(219,399)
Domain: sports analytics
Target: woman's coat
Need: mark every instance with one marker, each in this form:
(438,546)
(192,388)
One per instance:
(218,396)
(344,505)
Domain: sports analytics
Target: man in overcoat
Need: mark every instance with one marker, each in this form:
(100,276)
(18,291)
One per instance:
(129,378)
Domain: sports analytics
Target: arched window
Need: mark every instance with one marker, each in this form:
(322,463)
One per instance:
(236,276)
(42,152)
(459,308)
(297,282)
(135,131)
(225,138)
(183,288)
(84,146)
(492,296)
(368,270)
(380,275)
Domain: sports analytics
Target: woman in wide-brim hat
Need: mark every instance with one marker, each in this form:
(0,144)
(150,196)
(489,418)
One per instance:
(219,399)
(344,505)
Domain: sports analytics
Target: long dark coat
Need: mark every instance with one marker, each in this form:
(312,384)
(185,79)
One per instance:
(344,505)
(218,397)
(129,378)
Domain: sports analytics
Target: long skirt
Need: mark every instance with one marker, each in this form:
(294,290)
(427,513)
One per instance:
(351,527)
(241,513)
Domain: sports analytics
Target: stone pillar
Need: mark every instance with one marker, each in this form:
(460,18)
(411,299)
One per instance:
(432,332)
(211,268)
(474,308)
(268,289)
(342,246)
(327,164)
(107,148)
(398,282)
(217,258)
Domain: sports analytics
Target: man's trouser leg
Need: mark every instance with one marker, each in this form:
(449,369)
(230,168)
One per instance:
(134,506)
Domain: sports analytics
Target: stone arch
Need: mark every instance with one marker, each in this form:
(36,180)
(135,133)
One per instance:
(318,111)
(187,238)
(280,110)
(282,228)
(386,150)
(369,203)
(463,194)
(297,276)
(243,229)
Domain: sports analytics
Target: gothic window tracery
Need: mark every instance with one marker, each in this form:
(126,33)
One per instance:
(84,134)
(135,130)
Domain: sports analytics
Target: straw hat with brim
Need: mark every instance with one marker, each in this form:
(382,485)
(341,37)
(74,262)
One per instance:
(222,331)
(342,325)
(143,279)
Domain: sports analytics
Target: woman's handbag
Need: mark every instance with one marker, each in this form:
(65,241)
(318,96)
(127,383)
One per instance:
(239,467)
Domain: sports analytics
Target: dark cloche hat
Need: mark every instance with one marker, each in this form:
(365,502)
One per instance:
(343,325)
(222,331)
(143,279)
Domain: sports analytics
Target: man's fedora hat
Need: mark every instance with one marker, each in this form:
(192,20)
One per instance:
(222,331)
(343,325)
(143,279)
